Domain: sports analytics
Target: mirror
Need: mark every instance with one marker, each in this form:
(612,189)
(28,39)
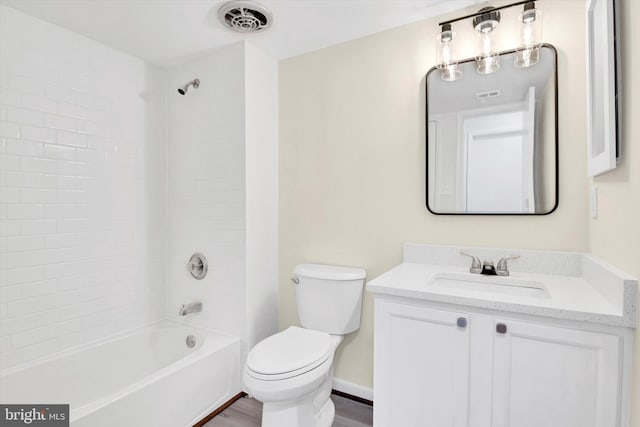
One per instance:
(492,139)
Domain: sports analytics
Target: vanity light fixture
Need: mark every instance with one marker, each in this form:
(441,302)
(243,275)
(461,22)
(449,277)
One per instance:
(485,22)
(446,54)
(486,25)
(529,36)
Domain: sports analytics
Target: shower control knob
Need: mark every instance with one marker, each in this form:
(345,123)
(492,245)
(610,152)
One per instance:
(198,266)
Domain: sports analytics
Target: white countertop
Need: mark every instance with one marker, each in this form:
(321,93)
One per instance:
(584,289)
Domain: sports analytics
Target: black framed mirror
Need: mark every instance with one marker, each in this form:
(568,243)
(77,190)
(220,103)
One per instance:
(492,139)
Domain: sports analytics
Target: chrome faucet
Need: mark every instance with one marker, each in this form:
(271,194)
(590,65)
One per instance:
(486,267)
(476,264)
(502,269)
(194,307)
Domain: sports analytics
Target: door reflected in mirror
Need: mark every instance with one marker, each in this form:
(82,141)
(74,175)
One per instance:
(492,139)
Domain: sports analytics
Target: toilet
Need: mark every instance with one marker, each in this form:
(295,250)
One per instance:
(291,372)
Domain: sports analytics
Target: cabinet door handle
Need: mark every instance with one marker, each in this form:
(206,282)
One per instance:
(501,328)
(461,322)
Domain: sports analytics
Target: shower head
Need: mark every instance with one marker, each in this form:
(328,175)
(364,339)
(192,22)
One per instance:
(184,88)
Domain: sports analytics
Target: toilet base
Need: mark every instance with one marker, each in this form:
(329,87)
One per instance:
(313,410)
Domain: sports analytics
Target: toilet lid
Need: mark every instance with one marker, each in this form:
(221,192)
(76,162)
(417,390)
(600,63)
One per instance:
(293,351)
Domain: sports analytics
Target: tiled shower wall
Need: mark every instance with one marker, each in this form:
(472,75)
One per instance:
(82,181)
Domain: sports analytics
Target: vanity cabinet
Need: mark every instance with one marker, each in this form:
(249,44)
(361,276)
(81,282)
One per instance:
(436,367)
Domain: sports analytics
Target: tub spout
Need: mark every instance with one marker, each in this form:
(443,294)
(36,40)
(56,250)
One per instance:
(194,307)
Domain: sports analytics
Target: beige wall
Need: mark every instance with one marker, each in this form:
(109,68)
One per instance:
(615,235)
(352,164)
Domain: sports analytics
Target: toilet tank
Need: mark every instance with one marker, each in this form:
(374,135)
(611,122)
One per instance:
(329,297)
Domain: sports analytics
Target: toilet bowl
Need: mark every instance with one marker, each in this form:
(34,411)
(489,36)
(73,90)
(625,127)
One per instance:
(291,372)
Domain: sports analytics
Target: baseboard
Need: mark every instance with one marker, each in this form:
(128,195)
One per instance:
(218,410)
(353,389)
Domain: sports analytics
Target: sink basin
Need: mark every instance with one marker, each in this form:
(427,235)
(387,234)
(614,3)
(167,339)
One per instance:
(488,284)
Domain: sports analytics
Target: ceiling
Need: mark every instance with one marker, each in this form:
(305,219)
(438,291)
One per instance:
(163,32)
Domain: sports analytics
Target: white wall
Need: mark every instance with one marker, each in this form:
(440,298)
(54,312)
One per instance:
(352,160)
(261,88)
(82,167)
(223,191)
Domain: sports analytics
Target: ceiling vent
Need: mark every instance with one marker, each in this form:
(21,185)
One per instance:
(484,96)
(245,16)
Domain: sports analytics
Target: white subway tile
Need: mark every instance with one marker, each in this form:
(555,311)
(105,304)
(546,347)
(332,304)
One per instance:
(92,101)
(54,121)
(39,103)
(27,85)
(81,221)
(38,134)
(10,260)
(9,195)
(29,337)
(45,287)
(101,144)
(5,344)
(91,155)
(35,164)
(59,152)
(71,110)
(41,257)
(9,130)
(10,97)
(24,147)
(61,94)
(15,325)
(92,128)
(9,162)
(37,226)
(10,293)
(72,225)
(22,275)
(29,211)
(72,282)
(65,167)
(67,182)
(9,227)
(25,243)
(64,240)
(35,195)
(71,138)
(21,115)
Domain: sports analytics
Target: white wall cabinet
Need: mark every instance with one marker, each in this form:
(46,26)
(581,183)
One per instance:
(440,367)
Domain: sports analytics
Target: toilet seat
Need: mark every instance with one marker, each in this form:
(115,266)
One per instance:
(292,352)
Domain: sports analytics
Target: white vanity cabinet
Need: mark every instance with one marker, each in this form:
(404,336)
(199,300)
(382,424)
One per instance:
(437,366)
(421,366)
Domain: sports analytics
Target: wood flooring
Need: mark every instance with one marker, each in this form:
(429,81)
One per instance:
(247,412)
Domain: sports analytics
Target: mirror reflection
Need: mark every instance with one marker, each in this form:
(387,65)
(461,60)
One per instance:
(492,139)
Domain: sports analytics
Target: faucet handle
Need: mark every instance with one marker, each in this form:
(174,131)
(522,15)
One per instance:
(476,264)
(502,269)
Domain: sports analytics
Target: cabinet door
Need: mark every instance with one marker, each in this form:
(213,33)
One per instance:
(554,377)
(421,367)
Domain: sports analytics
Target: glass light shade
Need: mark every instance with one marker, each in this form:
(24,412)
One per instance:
(487,60)
(529,27)
(446,57)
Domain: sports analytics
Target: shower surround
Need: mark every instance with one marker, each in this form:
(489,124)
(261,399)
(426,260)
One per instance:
(110,180)
(82,190)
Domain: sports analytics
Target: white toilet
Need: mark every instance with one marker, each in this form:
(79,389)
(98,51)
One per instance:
(291,372)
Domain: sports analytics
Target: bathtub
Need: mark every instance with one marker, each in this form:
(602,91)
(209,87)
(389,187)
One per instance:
(148,377)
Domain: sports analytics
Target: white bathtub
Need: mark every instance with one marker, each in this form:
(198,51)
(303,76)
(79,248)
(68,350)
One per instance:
(148,377)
